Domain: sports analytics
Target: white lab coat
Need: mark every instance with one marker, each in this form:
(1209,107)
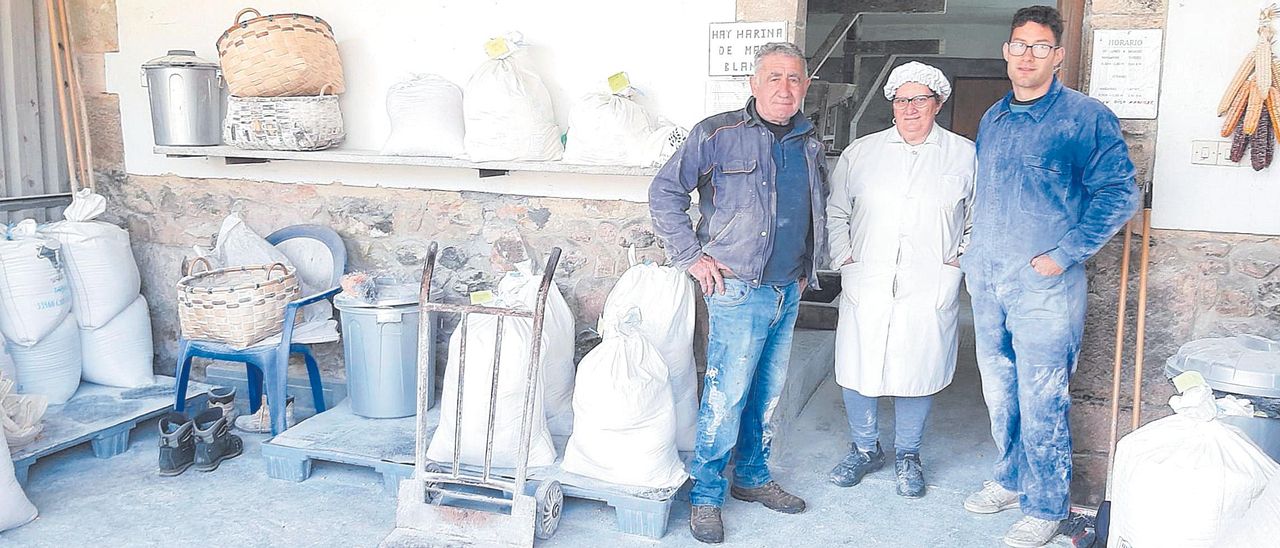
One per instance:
(900,212)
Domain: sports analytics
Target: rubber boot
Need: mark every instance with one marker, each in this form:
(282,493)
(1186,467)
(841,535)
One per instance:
(214,440)
(225,398)
(177,444)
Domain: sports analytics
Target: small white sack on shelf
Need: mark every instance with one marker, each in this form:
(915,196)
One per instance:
(101,272)
(34,294)
(519,289)
(517,337)
(15,508)
(625,430)
(51,367)
(508,110)
(1189,469)
(667,303)
(120,353)
(608,129)
(426,118)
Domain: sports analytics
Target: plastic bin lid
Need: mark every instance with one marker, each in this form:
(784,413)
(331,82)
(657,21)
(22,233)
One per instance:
(391,293)
(179,58)
(1243,364)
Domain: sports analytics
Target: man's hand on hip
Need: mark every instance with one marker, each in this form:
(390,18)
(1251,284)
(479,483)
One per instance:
(1045,266)
(708,272)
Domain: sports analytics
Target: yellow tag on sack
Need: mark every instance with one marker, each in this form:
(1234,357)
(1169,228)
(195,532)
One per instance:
(497,48)
(1187,380)
(618,82)
(481,297)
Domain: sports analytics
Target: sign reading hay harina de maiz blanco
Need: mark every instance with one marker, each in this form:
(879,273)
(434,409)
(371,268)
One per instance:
(733,46)
(1125,73)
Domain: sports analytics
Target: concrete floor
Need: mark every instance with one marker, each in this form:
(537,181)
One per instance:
(121,501)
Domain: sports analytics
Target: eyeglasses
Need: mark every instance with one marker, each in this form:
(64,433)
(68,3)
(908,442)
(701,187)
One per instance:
(919,101)
(1039,51)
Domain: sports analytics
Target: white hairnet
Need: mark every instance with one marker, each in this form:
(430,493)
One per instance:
(919,73)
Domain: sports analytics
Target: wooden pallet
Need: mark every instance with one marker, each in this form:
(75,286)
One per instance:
(387,446)
(103,416)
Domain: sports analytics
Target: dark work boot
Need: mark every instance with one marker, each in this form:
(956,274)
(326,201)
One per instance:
(177,444)
(857,464)
(910,475)
(214,440)
(705,523)
(771,496)
(225,398)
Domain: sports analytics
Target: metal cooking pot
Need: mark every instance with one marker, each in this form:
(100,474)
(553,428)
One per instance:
(186,99)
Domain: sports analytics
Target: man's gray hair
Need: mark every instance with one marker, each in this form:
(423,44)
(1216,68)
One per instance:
(781,48)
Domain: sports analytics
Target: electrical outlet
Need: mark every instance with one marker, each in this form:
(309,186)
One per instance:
(1224,155)
(1205,152)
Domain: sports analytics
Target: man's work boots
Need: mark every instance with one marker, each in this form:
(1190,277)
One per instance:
(771,496)
(224,398)
(177,444)
(214,440)
(705,523)
(856,464)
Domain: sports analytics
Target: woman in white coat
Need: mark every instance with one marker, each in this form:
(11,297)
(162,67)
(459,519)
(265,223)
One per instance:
(898,218)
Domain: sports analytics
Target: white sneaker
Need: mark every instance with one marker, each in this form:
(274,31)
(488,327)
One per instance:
(260,422)
(991,498)
(1031,532)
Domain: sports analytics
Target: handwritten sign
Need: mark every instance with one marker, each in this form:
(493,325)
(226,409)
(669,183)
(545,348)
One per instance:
(733,46)
(1125,74)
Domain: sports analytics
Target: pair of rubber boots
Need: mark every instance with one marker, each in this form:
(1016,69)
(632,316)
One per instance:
(203,442)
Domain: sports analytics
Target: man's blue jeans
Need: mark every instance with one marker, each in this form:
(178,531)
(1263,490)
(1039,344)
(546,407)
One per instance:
(748,347)
(1028,329)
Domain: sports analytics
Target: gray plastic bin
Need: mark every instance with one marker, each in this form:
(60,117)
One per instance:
(1243,365)
(380,347)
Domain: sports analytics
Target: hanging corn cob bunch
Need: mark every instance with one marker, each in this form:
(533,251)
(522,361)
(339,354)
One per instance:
(1252,101)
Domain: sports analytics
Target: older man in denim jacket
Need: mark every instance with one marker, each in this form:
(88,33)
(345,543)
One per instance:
(1054,183)
(759,175)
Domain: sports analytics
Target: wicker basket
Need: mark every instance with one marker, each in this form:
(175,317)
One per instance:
(283,123)
(281,55)
(238,306)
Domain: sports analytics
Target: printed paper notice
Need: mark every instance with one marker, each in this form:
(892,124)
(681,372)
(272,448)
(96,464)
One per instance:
(1125,74)
(725,94)
(733,46)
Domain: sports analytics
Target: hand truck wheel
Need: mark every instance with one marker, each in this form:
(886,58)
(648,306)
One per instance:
(550,500)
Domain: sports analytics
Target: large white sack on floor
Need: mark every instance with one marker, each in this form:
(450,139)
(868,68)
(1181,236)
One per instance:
(508,113)
(517,336)
(1189,469)
(626,425)
(120,353)
(1260,524)
(34,295)
(607,129)
(426,118)
(15,508)
(98,261)
(520,290)
(52,366)
(667,304)
(7,368)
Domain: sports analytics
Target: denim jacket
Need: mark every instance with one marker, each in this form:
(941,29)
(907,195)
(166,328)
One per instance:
(728,159)
(1056,179)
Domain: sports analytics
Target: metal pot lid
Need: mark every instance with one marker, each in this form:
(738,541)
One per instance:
(1243,364)
(180,58)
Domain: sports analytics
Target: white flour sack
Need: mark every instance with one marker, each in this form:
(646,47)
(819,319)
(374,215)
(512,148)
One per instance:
(101,272)
(519,290)
(120,353)
(517,336)
(665,298)
(51,367)
(15,509)
(426,118)
(626,425)
(34,297)
(508,112)
(607,129)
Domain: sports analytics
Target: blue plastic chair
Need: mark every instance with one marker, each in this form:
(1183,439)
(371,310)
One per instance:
(267,361)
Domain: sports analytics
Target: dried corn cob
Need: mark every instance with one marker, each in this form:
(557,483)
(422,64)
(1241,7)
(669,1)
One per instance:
(1236,112)
(1239,143)
(1253,111)
(1262,144)
(1263,60)
(1273,106)
(1237,83)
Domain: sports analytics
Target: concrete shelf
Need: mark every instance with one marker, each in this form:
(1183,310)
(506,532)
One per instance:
(234,155)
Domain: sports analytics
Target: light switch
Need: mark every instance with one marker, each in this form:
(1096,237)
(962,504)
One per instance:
(1205,152)
(1224,155)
